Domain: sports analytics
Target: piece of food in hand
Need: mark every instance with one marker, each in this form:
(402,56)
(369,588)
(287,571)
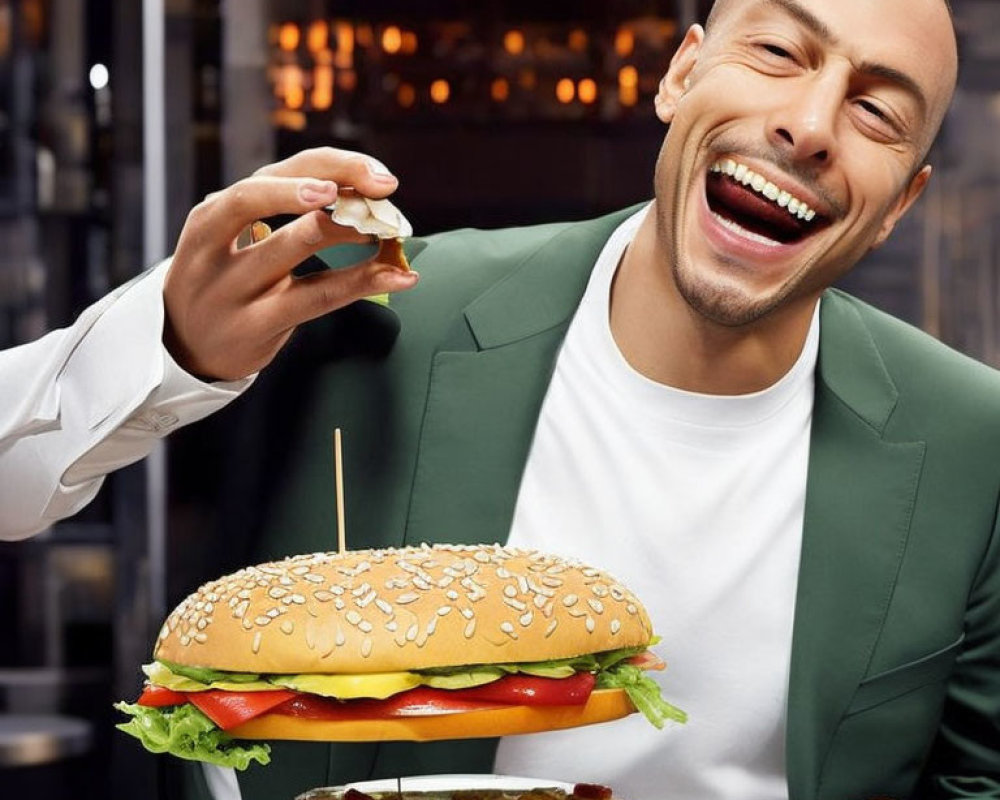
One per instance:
(377,218)
(416,643)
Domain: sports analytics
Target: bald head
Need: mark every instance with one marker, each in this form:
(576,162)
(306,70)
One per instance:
(924,26)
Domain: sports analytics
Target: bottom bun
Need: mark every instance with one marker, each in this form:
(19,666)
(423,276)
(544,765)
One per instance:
(602,706)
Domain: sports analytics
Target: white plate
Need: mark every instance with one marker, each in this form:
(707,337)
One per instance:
(446,783)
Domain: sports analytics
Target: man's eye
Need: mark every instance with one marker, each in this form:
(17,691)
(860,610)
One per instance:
(874,110)
(777,50)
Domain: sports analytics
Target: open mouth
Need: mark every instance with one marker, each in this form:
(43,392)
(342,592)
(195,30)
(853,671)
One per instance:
(758,209)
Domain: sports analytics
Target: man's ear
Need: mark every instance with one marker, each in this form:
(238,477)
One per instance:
(906,199)
(675,83)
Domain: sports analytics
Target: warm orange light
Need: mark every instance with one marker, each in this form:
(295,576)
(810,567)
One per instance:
(586,90)
(292,120)
(406,95)
(628,76)
(347,79)
(440,91)
(321,96)
(344,33)
(318,36)
(513,42)
(392,39)
(500,89)
(409,43)
(565,90)
(628,95)
(624,42)
(578,40)
(295,96)
(289,36)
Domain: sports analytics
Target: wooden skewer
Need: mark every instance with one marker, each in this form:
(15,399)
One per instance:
(338,462)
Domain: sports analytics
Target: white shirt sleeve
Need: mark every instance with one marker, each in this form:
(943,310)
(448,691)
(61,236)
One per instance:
(85,400)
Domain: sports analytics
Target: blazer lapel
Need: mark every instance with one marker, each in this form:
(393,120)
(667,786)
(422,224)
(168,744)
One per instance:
(859,500)
(486,390)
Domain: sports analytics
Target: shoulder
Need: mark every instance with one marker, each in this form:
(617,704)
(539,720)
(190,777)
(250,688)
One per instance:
(924,370)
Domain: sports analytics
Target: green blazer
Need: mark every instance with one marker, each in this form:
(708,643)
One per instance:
(895,673)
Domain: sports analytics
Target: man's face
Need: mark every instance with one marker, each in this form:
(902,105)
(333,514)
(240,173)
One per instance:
(796,131)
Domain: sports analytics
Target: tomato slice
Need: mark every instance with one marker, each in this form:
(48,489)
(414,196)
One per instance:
(647,659)
(520,690)
(159,696)
(229,709)
(417,702)
(529,690)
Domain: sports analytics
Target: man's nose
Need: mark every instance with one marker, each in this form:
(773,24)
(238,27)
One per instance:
(803,125)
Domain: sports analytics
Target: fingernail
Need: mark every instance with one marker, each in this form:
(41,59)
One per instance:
(378,169)
(316,191)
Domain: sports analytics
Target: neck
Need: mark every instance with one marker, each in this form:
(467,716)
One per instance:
(669,342)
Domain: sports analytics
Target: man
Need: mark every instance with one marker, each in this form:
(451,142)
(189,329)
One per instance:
(803,490)
(180,342)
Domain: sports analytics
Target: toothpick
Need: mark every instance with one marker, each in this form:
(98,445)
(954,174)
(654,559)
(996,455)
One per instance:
(338,462)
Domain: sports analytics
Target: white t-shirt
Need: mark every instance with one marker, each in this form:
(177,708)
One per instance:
(696,503)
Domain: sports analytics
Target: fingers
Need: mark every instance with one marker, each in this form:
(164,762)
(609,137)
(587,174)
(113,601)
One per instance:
(320,293)
(346,168)
(219,218)
(280,252)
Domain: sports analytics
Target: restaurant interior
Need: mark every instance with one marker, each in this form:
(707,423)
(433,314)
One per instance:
(117,117)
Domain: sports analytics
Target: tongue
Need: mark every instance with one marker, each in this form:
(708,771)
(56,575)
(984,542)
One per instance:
(744,206)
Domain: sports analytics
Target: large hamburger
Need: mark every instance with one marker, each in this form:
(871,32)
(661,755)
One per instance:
(416,643)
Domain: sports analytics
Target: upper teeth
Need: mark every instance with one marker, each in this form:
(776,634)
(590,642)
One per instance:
(761,185)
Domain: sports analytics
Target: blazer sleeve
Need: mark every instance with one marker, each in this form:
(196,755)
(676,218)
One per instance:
(966,758)
(87,399)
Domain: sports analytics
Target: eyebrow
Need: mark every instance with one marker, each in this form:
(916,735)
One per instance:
(870,68)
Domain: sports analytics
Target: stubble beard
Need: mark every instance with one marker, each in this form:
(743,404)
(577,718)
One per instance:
(722,302)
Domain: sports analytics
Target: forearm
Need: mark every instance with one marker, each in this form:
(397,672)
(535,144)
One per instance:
(102,396)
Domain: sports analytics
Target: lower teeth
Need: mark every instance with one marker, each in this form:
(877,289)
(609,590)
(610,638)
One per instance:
(739,229)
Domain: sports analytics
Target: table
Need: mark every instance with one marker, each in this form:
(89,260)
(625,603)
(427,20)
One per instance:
(31,739)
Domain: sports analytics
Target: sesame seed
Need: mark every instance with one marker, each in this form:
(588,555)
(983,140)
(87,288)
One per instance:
(392,626)
(366,648)
(353,617)
(364,626)
(298,599)
(256,643)
(470,629)
(276,592)
(510,591)
(615,627)
(517,605)
(551,628)
(451,594)
(508,628)
(631,608)
(405,599)
(322,596)
(340,639)
(525,619)
(577,612)
(383,606)
(599,589)
(590,624)
(411,632)
(596,605)
(443,610)
(262,620)
(570,600)
(287,626)
(201,638)
(468,613)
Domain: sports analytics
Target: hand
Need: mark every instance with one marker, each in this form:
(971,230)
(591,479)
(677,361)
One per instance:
(229,311)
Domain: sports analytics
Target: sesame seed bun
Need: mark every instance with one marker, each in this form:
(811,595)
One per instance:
(402,609)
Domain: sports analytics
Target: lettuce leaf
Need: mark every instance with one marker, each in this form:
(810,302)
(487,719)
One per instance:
(643,691)
(185,732)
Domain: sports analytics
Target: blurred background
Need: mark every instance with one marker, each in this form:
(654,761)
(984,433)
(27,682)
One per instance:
(117,117)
